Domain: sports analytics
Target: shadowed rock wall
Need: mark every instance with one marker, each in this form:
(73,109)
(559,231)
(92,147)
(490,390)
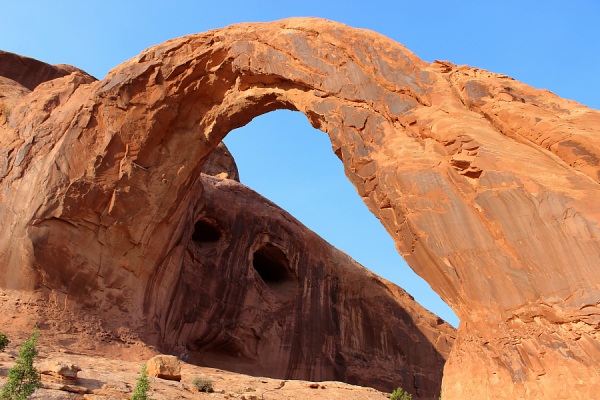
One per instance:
(277,300)
(489,187)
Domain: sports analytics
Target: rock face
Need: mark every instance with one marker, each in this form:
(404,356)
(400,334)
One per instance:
(29,72)
(295,307)
(488,186)
(245,286)
(221,164)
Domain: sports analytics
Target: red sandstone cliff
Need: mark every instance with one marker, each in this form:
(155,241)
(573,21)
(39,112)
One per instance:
(488,186)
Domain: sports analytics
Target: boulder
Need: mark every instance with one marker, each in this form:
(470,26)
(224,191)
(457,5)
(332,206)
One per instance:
(164,367)
(59,371)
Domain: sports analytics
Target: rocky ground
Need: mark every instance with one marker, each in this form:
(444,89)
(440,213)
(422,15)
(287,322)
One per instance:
(113,378)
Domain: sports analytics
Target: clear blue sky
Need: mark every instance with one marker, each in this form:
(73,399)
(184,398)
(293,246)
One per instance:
(548,44)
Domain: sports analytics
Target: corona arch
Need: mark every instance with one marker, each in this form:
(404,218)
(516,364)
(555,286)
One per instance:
(488,186)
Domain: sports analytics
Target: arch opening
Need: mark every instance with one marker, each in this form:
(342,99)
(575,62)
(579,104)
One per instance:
(283,157)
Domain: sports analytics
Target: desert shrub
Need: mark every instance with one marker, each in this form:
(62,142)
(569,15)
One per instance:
(400,394)
(203,384)
(23,378)
(3,341)
(142,386)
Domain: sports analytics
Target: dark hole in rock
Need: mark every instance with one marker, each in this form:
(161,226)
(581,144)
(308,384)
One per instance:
(272,265)
(206,232)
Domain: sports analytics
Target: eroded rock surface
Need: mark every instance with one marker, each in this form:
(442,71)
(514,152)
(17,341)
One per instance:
(221,164)
(278,301)
(59,371)
(29,72)
(254,291)
(488,186)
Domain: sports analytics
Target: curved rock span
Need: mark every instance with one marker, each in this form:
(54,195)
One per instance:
(241,284)
(488,186)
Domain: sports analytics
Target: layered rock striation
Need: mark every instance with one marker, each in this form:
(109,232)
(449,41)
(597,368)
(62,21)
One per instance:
(488,186)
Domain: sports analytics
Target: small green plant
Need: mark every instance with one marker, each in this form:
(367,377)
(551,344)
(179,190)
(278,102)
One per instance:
(203,384)
(23,378)
(3,341)
(400,394)
(142,386)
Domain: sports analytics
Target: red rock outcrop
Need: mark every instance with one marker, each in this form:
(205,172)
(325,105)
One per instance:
(277,300)
(488,186)
(29,72)
(59,371)
(221,164)
(253,290)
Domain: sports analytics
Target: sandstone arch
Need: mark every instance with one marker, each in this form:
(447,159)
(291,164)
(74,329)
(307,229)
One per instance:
(489,187)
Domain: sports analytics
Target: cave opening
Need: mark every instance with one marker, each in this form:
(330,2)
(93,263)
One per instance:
(206,232)
(272,265)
